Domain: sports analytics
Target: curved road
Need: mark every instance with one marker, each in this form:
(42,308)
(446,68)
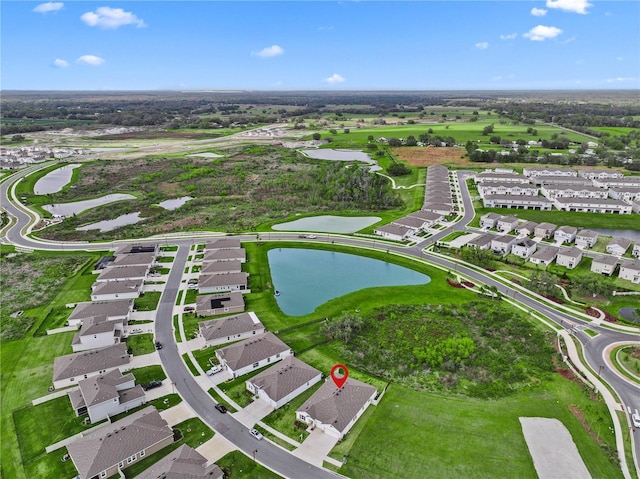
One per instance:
(270,455)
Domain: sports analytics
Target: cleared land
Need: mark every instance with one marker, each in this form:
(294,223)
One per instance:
(427,156)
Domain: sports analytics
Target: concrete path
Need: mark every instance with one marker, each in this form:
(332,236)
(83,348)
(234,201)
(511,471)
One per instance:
(216,448)
(315,448)
(156,393)
(178,413)
(143,316)
(53,395)
(144,360)
(254,412)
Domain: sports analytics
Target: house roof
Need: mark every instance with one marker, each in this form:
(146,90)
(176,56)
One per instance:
(109,445)
(338,407)
(223,243)
(546,253)
(619,241)
(429,206)
(394,229)
(594,201)
(98,324)
(123,272)
(481,240)
(491,174)
(213,267)
(570,252)
(571,187)
(103,387)
(587,234)
(230,326)
(117,286)
(410,221)
(546,226)
(508,219)
(233,299)
(426,215)
(120,307)
(136,249)
(491,216)
(523,199)
(506,239)
(132,259)
(225,254)
(632,264)
(525,243)
(86,362)
(506,184)
(527,225)
(285,377)
(183,463)
(225,279)
(252,350)
(605,259)
(570,230)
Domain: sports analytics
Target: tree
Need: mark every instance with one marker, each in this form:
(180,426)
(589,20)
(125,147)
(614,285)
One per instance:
(543,283)
(398,169)
(17,138)
(495,139)
(411,141)
(316,136)
(591,285)
(370,138)
(346,130)
(333,131)
(487,129)
(395,142)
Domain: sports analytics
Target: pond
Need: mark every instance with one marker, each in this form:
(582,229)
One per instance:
(70,209)
(342,155)
(307,278)
(628,314)
(175,203)
(328,224)
(633,235)
(55,180)
(109,225)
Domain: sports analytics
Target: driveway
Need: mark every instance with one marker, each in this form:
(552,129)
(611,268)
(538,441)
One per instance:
(216,448)
(144,360)
(315,447)
(253,413)
(178,413)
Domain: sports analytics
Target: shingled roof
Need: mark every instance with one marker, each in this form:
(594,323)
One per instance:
(252,350)
(230,326)
(183,463)
(87,362)
(285,377)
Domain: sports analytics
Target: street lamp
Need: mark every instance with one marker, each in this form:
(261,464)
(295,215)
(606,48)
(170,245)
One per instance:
(255,451)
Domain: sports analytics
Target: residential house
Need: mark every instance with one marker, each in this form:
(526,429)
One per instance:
(221,303)
(569,257)
(501,177)
(119,309)
(251,354)
(593,205)
(183,463)
(489,220)
(518,202)
(106,451)
(507,223)
(230,328)
(106,395)
(554,191)
(225,255)
(604,264)
(564,180)
(68,370)
(284,381)
(600,174)
(394,232)
(565,234)
(524,247)
(410,222)
(513,189)
(223,243)
(636,250)
(134,259)
(482,241)
(550,171)
(428,217)
(586,238)
(627,194)
(630,270)
(98,332)
(545,230)
(114,290)
(627,181)
(527,228)
(218,283)
(220,267)
(618,246)
(502,244)
(544,256)
(138,249)
(438,207)
(335,410)
(120,273)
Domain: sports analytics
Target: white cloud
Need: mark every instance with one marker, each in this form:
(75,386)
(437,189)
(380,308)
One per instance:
(49,7)
(482,45)
(510,36)
(107,17)
(335,78)
(538,12)
(323,29)
(541,33)
(268,52)
(60,63)
(90,60)
(577,6)
(619,79)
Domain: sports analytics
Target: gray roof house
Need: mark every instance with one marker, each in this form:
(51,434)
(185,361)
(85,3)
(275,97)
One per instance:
(106,395)
(223,243)
(98,332)
(335,410)
(183,463)
(221,303)
(527,228)
(251,354)
(569,257)
(428,217)
(586,238)
(138,249)
(218,267)
(565,234)
(218,283)
(489,220)
(111,309)
(545,230)
(281,383)
(111,273)
(70,369)
(394,232)
(618,246)
(133,259)
(604,264)
(502,244)
(482,241)
(507,223)
(112,290)
(225,255)
(630,270)
(411,222)
(544,255)
(636,249)
(108,450)
(524,247)
(230,328)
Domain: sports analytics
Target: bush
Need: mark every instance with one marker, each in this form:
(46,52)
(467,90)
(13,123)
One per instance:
(398,169)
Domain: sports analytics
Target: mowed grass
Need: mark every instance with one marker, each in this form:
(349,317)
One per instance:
(236,464)
(411,432)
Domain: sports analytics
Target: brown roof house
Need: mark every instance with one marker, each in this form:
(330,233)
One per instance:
(183,463)
(335,410)
(231,328)
(119,309)
(251,354)
(98,332)
(281,383)
(106,395)
(108,450)
(221,303)
(70,369)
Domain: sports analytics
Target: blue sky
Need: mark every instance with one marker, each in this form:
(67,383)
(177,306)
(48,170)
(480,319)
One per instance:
(305,45)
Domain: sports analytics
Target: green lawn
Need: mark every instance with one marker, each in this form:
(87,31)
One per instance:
(219,399)
(236,464)
(161,404)
(147,301)
(140,344)
(414,432)
(190,324)
(203,356)
(189,363)
(236,389)
(148,374)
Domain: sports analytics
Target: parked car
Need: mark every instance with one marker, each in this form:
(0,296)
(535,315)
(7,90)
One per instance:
(635,419)
(152,385)
(135,330)
(311,236)
(214,370)
(221,407)
(255,433)
(158,345)
(189,308)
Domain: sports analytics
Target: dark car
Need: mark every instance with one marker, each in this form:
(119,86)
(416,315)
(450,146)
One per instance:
(158,345)
(221,407)
(152,385)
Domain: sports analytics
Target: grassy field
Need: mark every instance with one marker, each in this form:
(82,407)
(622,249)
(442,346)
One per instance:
(147,301)
(469,438)
(149,373)
(140,344)
(236,464)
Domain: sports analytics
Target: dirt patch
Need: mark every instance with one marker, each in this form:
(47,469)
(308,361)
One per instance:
(427,156)
(454,284)
(468,284)
(154,135)
(596,314)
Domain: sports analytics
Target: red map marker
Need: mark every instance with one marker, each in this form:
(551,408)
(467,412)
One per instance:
(336,372)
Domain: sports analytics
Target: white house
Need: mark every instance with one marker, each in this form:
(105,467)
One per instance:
(482,241)
(428,217)
(544,256)
(604,264)
(548,171)
(586,238)
(627,194)
(225,255)
(119,309)
(251,354)
(218,283)
(220,267)
(411,222)
(113,273)
(513,189)
(627,181)
(394,232)
(284,381)
(593,205)
(630,270)
(106,395)
(221,303)
(134,259)
(524,247)
(525,229)
(230,328)
(112,290)
(618,246)
(569,257)
(68,370)
(183,463)
(507,223)
(335,410)
(518,202)
(501,177)
(489,220)
(98,332)
(565,234)
(573,191)
(600,174)
(502,244)
(223,243)
(545,230)
(636,250)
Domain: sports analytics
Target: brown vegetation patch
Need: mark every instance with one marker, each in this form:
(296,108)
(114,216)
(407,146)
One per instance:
(153,135)
(579,415)
(169,188)
(427,156)
(454,284)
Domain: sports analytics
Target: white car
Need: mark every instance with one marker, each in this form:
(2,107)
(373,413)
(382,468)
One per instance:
(255,433)
(214,370)
(635,419)
(311,236)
